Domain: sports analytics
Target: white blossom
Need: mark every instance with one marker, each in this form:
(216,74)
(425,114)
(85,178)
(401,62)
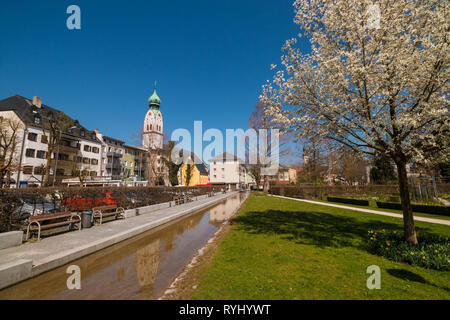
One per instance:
(368,88)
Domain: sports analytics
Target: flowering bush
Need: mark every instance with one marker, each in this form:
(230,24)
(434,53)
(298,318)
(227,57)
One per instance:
(433,251)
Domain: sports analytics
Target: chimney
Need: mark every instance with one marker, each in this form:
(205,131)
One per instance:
(37,101)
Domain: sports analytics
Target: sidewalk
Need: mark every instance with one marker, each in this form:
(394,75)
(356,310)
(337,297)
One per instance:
(30,259)
(382,213)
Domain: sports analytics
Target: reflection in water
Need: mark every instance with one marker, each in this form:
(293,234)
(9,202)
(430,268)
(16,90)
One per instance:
(138,268)
(147,261)
(225,210)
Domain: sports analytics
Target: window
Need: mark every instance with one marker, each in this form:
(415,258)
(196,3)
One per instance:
(87,148)
(59,172)
(94,161)
(86,160)
(44,139)
(95,150)
(82,133)
(28,170)
(79,159)
(32,136)
(93,173)
(37,119)
(40,154)
(39,170)
(63,156)
(30,153)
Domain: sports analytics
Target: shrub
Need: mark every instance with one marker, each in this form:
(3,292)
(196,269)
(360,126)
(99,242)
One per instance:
(433,251)
(349,201)
(438,210)
(14,202)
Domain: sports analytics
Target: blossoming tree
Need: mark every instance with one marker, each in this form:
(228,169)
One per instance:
(376,79)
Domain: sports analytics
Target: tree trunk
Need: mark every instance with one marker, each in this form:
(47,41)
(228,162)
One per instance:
(408,218)
(46,175)
(266,184)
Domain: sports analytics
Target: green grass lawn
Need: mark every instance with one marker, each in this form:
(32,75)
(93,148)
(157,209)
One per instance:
(284,249)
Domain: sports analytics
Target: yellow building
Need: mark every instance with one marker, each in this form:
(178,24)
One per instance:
(199,172)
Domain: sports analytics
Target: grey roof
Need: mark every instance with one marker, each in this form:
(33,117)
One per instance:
(135,148)
(26,111)
(225,156)
(202,168)
(114,139)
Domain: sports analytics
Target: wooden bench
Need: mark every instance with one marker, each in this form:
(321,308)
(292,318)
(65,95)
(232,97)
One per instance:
(56,221)
(107,212)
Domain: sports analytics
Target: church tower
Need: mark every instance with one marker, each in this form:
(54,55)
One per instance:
(152,135)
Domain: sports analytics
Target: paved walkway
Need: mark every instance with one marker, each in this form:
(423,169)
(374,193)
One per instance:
(56,251)
(382,213)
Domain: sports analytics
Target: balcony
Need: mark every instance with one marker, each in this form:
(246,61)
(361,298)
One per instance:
(68,149)
(114,154)
(67,164)
(113,166)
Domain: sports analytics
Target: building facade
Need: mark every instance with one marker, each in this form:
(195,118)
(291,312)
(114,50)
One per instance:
(227,169)
(199,171)
(135,163)
(76,152)
(111,157)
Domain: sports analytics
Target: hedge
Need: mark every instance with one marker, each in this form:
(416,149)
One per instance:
(349,201)
(80,199)
(439,210)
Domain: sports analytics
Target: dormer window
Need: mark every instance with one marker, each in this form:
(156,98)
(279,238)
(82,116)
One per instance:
(37,120)
(82,133)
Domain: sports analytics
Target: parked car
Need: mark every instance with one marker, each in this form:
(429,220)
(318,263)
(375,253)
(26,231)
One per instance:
(33,207)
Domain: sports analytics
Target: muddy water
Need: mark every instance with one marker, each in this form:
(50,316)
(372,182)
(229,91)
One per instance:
(138,268)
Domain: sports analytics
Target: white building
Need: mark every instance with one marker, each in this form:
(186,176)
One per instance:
(112,152)
(227,169)
(78,149)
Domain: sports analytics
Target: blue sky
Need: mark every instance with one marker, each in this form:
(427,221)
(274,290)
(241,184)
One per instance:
(210,58)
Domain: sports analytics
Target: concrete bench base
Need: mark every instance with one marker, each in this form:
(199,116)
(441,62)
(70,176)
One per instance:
(13,272)
(10,239)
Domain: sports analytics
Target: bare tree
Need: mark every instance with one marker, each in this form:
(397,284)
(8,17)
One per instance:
(260,120)
(9,142)
(54,126)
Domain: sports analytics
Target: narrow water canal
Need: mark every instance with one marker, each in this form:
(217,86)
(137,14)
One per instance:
(138,268)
